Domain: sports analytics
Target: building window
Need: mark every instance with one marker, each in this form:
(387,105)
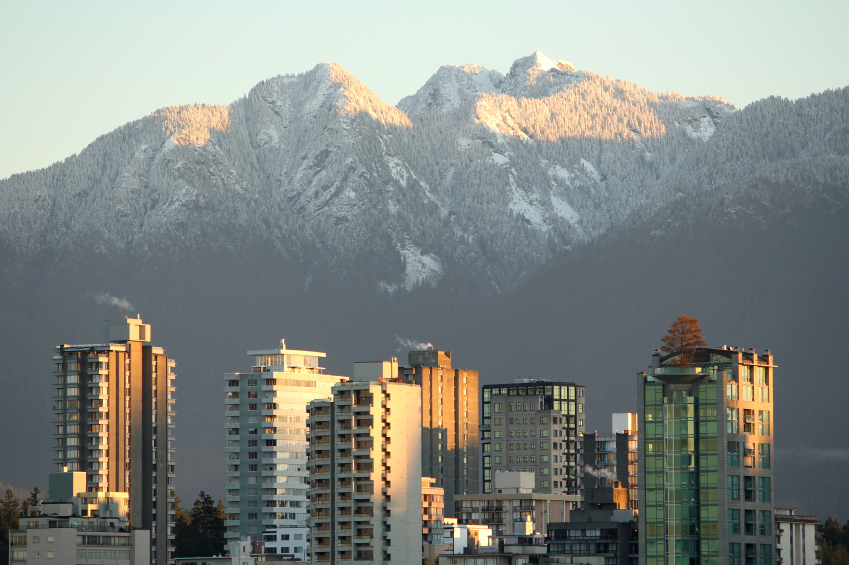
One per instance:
(733,454)
(731,391)
(499,447)
(763,394)
(498,459)
(732,417)
(510,408)
(745,373)
(748,393)
(734,521)
(763,455)
(252,515)
(251,382)
(252,455)
(760,375)
(764,523)
(750,522)
(734,554)
(766,554)
(764,489)
(497,407)
(252,407)
(733,487)
(749,489)
(748,456)
(763,422)
(496,421)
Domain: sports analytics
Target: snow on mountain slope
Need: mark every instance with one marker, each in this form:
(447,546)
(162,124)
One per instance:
(317,167)
(536,76)
(450,87)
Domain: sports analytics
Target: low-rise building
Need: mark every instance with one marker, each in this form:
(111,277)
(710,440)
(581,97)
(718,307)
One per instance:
(236,553)
(513,499)
(63,536)
(464,538)
(796,537)
(605,529)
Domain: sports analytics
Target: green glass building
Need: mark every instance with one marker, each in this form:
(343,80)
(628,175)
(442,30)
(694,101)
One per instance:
(705,494)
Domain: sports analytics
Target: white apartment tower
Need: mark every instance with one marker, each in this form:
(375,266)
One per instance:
(365,468)
(266,412)
(113,406)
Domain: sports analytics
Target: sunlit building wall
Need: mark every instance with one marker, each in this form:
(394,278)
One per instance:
(365,470)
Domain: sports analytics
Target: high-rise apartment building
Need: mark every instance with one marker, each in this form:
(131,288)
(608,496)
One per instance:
(706,473)
(266,467)
(365,470)
(114,420)
(450,452)
(533,425)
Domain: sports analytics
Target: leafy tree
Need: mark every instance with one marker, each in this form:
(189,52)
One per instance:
(9,506)
(682,338)
(199,532)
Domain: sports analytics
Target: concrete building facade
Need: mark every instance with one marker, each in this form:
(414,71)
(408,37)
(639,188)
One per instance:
(797,542)
(63,537)
(533,425)
(705,463)
(514,500)
(289,541)
(450,449)
(365,470)
(113,411)
(266,451)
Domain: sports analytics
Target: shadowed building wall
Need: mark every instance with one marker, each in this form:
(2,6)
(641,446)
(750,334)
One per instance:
(113,410)
(449,422)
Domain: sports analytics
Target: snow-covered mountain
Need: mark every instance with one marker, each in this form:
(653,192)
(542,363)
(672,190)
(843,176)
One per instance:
(490,173)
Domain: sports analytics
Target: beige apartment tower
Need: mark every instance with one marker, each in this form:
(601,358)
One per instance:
(114,421)
(364,463)
(449,423)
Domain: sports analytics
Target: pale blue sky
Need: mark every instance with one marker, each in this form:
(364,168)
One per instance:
(71,71)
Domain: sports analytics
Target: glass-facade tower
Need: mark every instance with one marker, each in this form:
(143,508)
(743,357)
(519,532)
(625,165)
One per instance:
(698,421)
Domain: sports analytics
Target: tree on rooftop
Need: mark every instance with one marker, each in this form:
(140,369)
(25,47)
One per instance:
(682,338)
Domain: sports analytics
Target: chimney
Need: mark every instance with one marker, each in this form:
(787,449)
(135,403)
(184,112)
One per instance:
(282,344)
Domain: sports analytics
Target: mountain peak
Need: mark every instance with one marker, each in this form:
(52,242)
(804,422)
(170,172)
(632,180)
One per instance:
(450,87)
(536,75)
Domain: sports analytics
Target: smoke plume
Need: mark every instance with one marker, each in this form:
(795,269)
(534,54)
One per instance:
(121,303)
(601,473)
(413,345)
